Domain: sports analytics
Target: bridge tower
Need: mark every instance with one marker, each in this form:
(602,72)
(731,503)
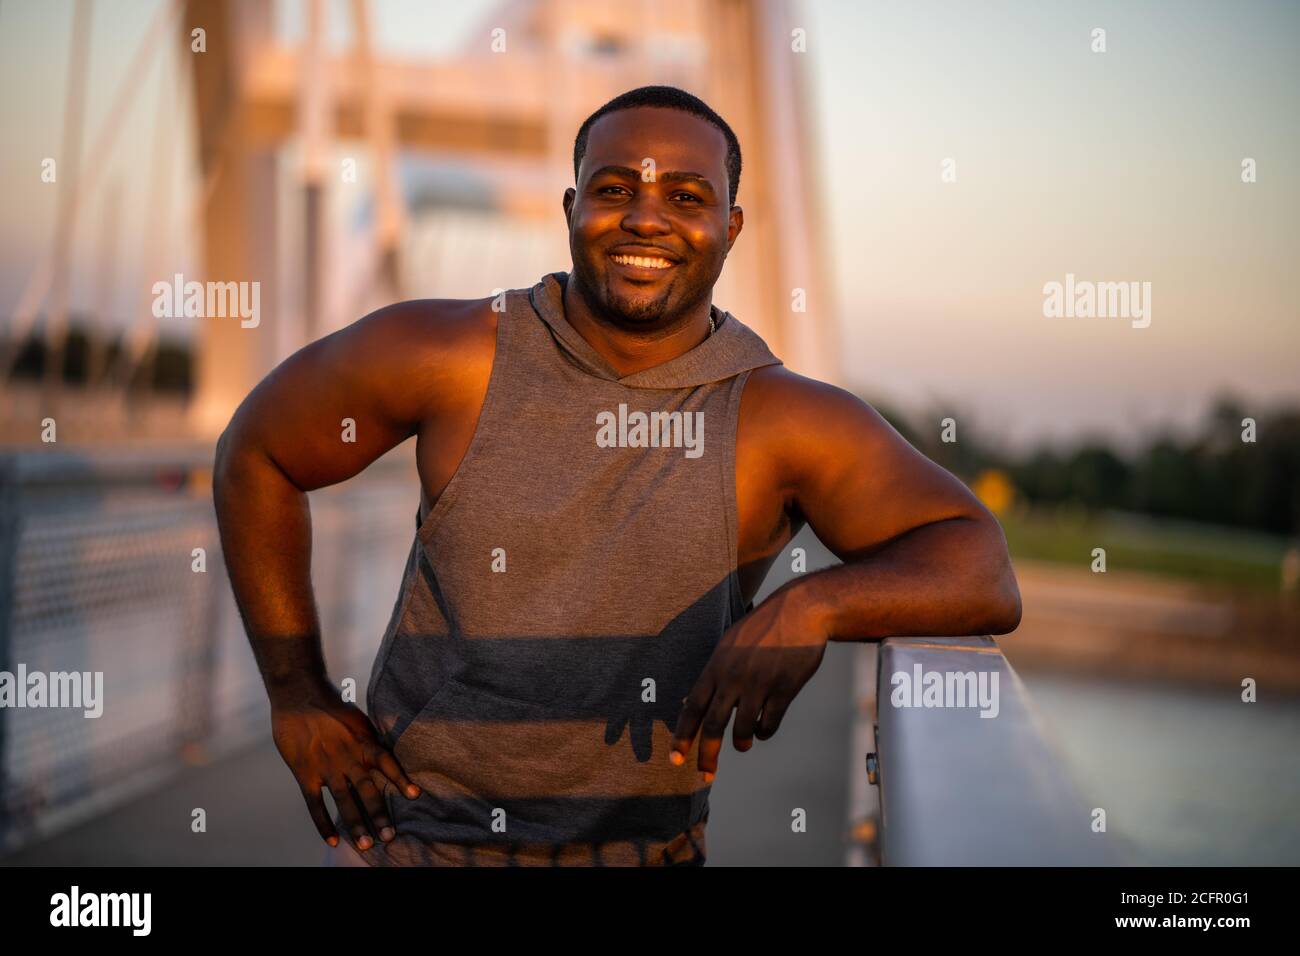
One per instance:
(515,113)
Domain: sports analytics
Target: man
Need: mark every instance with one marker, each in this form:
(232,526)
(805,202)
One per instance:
(609,465)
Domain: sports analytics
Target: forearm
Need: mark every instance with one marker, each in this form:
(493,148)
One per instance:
(952,577)
(265,526)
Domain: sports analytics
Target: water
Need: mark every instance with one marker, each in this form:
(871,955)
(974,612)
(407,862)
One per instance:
(1188,776)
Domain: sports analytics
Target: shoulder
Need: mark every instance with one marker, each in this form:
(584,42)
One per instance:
(781,400)
(427,336)
(798,421)
(417,329)
(417,356)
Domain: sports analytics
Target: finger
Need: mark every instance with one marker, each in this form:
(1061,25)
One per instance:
(694,707)
(381,782)
(712,730)
(774,709)
(390,768)
(351,813)
(320,815)
(376,809)
(742,731)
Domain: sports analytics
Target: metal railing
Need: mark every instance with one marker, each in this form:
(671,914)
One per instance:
(99,573)
(966,771)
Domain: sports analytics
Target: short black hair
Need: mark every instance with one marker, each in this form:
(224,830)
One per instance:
(666,97)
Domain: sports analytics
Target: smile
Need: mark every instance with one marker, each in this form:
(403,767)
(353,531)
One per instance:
(643,262)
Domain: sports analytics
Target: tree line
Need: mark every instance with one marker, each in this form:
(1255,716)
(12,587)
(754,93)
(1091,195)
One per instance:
(1212,475)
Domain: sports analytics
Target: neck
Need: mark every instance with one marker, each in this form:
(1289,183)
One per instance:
(629,351)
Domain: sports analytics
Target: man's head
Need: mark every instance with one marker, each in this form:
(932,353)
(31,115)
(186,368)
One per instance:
(656,175)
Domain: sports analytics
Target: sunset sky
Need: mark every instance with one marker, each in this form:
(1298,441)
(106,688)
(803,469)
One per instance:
(1124,165)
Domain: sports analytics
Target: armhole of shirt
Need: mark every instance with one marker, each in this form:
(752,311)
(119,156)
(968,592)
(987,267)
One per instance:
(482,430)
(735,596)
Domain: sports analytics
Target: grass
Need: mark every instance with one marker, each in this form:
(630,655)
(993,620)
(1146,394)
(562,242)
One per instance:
(1202,553)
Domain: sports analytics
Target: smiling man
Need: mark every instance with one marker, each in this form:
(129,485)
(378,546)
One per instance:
(574,630)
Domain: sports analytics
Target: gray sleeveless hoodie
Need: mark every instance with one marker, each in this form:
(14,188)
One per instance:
(560,600)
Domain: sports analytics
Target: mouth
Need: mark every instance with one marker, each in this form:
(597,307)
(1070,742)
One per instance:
(647,266)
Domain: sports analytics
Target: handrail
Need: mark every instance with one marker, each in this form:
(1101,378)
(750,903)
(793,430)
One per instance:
(958,788)
(42,468)
(97,563)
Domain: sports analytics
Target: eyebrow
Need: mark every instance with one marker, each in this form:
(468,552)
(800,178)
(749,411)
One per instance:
(671,176)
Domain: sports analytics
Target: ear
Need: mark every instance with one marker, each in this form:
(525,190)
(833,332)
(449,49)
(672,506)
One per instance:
(735,223)
(570,195)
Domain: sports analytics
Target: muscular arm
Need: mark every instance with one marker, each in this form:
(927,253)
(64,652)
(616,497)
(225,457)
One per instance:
(922,555)
(286,439)
(395,373)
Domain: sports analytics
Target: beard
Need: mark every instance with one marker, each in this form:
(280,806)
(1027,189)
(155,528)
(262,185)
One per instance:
(620,309)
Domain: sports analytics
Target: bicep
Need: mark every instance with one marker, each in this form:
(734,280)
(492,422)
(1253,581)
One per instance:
(860,484)
(336,405)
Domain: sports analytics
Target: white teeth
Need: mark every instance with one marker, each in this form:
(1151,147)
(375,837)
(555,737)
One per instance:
(642,262)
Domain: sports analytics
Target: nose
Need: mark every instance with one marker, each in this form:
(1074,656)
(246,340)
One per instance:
(644,217)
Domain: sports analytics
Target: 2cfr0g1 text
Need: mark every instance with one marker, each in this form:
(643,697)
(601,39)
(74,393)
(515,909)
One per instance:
(1173,896)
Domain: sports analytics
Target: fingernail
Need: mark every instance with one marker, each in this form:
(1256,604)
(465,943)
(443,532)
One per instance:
(365,843)
(332,841)
(387,833)
(708,777)
(675,758)
(412,791)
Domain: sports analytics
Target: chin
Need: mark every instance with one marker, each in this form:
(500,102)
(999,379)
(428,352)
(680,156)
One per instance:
(634,309)
(637,311)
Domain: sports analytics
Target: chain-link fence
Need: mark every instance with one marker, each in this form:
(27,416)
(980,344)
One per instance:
(110,564)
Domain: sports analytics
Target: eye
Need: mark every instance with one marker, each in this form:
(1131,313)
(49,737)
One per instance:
(690,196)
(603,189)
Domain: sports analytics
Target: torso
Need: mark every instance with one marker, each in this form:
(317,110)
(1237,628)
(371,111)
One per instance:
(766,516)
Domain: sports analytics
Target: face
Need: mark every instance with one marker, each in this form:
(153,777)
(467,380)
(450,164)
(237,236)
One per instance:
(680,226)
